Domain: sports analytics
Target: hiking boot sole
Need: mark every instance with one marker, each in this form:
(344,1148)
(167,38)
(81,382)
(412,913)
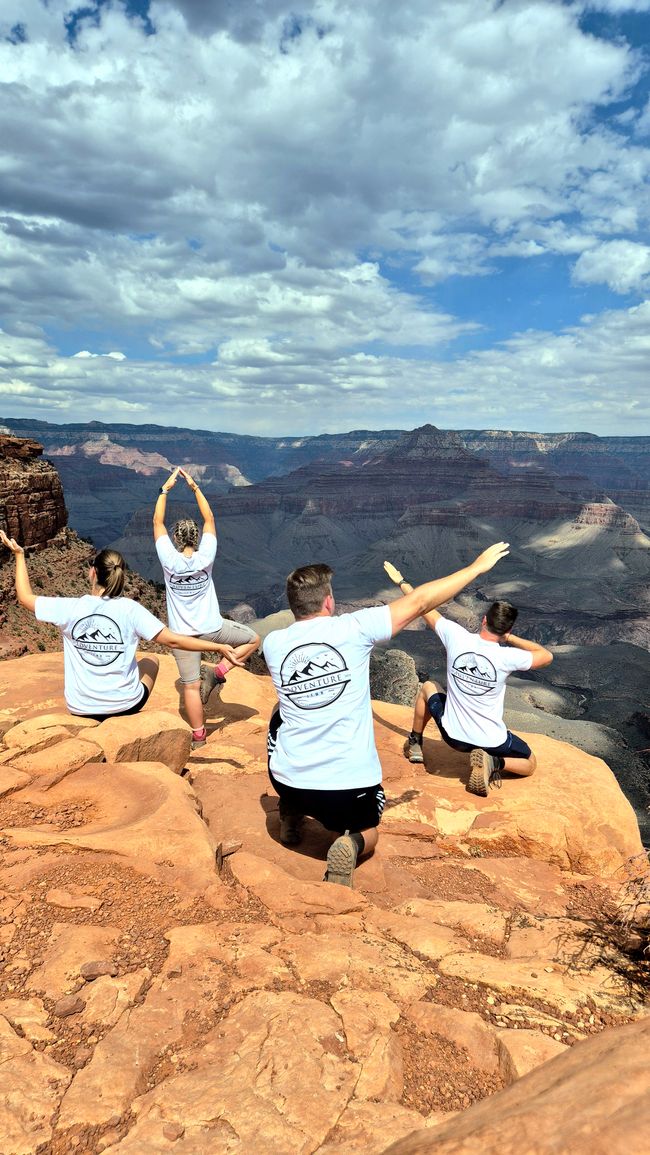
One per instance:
(341,861)
(481,767)
(209,683)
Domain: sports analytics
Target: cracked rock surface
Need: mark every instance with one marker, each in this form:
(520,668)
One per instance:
(468,993)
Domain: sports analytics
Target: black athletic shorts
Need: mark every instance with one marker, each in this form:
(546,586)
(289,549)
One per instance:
(121,713)
(358,809)
(513,747)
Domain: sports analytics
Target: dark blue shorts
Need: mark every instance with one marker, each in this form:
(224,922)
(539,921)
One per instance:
(513,747)
(355,810)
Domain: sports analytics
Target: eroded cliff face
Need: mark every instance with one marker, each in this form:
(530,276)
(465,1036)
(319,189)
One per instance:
(32,506)
(33,510)
(617,466)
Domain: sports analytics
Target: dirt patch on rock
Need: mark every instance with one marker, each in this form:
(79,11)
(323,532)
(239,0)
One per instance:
(452,882)
(439,1076)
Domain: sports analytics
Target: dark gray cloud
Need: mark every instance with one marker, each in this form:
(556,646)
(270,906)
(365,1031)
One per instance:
(244,20)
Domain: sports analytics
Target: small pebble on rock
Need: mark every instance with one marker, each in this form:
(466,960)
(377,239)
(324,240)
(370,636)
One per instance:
(68,1005)
(173,1131)
(81,1056)
(93,970)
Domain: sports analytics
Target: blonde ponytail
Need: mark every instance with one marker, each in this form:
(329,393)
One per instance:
(110,568)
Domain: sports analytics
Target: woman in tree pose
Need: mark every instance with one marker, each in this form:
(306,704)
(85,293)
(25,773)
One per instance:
(192,605)
(101,631)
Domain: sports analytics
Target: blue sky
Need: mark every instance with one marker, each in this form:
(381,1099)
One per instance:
(287,219)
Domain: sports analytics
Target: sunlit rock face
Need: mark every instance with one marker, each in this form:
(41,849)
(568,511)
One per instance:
(32,507)
(173,978)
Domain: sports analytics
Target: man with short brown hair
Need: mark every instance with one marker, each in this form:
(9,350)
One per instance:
(322,756)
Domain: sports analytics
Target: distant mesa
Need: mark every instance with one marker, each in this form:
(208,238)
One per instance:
(111,453)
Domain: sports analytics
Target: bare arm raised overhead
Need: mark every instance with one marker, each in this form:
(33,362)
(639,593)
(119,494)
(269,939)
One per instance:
(396,576)
(425,598)
(160,508)
(541,656)
(202,502)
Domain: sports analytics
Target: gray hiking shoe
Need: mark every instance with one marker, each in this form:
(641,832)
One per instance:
(341,860)
(290,829)
(413,751)
(483,773)
(209,682)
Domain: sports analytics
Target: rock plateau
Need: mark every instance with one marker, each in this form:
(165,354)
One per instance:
(173,979)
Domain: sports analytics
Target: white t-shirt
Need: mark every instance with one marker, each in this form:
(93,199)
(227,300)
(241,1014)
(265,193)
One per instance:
(476,684)
(319,668)
(192,606)
(100,638)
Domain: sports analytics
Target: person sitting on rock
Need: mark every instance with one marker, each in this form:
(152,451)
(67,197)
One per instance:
(323,761)
(192,606)
(470,715)
(101,631)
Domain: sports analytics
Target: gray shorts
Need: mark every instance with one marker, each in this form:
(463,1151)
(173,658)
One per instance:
(189,661)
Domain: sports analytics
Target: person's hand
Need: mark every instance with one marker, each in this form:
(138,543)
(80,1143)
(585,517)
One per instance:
(190,480)
(171,480)
(10,543)
(230,653)
(489,558)
(394,574)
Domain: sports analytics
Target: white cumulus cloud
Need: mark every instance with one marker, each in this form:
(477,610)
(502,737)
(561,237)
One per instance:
(258,200)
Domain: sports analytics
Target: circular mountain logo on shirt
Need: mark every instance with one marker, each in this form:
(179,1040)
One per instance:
(97,639)
(473,674)
(188,584)
(314,675)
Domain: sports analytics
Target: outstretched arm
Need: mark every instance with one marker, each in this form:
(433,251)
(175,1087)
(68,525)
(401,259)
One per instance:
(541,656)
(203,504)
(160,509)
(24,591)
(167,637)
(395,576)
(426,597)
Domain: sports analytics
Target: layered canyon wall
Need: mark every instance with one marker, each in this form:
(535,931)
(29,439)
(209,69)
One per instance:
(32,506)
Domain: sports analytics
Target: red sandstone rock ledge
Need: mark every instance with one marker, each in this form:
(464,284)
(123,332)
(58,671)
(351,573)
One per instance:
(150,1004)
(31,497)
